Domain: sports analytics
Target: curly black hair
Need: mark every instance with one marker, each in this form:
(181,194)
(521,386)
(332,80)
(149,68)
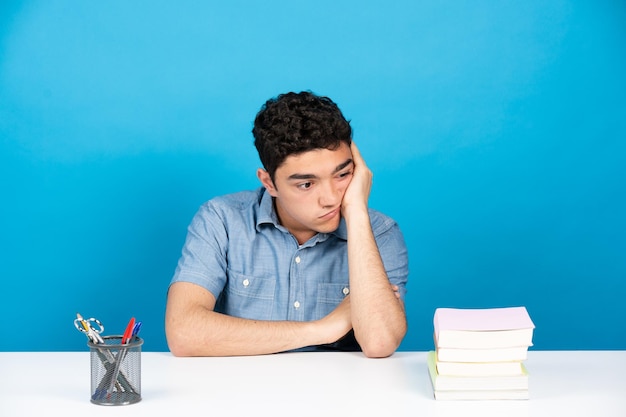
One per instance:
(293,123)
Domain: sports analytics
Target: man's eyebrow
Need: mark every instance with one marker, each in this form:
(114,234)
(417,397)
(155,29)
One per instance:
(342,166)
(312,176)
(302,177)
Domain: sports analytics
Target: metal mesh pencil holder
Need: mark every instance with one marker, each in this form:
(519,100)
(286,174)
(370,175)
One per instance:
(115,371)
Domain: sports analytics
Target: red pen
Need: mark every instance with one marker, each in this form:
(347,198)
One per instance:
(128,332)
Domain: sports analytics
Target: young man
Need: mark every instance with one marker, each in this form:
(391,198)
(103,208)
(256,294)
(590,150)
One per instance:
(300,263)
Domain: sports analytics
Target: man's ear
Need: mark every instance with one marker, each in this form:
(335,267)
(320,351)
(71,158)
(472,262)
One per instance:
(266,180)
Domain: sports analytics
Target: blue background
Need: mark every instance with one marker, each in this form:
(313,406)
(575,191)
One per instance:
(496,131)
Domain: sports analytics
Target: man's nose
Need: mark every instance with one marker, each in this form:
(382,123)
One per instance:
(329,195)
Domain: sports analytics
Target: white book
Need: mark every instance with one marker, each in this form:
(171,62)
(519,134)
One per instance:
(514,354)
(482,395)
(479,368)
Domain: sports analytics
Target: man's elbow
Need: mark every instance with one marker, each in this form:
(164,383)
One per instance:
(177,348)
(179,351)
(382,346)
(178,343)
(379,349)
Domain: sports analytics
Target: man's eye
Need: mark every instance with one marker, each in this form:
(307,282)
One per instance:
(305,185)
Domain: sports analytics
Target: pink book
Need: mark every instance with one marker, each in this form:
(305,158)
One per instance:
(482,328)
(505,318)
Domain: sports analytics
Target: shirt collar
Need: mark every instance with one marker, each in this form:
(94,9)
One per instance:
(266,212)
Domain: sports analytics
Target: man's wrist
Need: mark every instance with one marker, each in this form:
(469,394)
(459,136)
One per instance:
(356,213)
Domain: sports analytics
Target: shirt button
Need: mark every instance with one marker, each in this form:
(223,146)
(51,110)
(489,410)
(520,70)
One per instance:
(297,259)
(246,282)
(346,291)
(296,304)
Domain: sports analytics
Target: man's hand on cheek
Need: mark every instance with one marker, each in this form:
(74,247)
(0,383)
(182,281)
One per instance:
(357,193)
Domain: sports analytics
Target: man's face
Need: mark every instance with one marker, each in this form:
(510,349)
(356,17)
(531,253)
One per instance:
(308,190)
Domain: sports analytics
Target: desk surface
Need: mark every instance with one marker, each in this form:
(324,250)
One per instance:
(566,383)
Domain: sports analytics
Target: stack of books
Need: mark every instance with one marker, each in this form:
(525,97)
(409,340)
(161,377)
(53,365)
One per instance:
(479,353)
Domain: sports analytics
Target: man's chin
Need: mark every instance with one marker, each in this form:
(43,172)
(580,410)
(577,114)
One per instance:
(329,227)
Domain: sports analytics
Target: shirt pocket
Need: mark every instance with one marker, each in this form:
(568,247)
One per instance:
(250,297)
(329,296)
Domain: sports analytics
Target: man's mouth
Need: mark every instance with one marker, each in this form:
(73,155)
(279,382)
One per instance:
(330,214)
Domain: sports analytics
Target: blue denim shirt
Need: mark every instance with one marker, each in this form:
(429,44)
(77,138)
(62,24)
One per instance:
(237,250)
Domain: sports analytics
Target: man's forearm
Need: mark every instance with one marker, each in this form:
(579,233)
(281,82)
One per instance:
(378,316)
(207,333)
(194,329)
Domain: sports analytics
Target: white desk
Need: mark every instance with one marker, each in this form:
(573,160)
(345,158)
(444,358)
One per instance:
(306,384)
